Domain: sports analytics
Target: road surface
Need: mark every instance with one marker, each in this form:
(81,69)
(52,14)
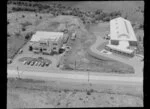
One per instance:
(76,77)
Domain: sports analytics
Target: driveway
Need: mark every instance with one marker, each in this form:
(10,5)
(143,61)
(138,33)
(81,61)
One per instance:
(134,62)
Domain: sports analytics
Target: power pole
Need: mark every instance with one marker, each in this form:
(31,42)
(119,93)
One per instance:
(18,72)
(75,64)
(88,76)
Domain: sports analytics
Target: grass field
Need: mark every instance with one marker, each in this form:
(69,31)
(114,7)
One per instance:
(28,93)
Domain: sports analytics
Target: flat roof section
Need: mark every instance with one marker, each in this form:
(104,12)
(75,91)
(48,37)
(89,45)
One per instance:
(119,48)
(121,29)
(44,35)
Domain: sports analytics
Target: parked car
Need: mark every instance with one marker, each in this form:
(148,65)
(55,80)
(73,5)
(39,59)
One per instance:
(32,63)
(40,64)
(43,64)
(24,61)
(28,63)
(20,51)
(47,64)
(36,63)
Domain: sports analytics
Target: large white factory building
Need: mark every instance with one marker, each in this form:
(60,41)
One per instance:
(122,37)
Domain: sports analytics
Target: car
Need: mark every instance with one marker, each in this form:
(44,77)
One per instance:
(43,64)
(47,64)
(28,63)
(32,63)
(20,51)
(24,61)
(36,63)
(40,64)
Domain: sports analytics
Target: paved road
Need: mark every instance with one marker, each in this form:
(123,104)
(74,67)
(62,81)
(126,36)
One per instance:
(134,62)
(76,77)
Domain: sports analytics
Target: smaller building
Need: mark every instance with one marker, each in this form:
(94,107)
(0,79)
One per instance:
(46,42)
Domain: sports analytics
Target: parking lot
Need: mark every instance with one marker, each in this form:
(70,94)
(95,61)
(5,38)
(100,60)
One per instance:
(39,62)
(31,61)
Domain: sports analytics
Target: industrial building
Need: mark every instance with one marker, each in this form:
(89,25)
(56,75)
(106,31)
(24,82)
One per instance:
(122,37)
(46,42)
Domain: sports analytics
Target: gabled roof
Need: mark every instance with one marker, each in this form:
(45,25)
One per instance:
(44,35)
(121,29)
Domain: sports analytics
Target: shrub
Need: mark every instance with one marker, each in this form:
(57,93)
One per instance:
(29,35)
(7,22)
(23,16)
(23,29)
(40,17)
(88,92)
(26,24)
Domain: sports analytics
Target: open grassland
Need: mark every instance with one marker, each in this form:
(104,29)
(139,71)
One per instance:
(28,93)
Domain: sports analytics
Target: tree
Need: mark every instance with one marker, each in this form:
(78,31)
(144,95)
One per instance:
(29,35)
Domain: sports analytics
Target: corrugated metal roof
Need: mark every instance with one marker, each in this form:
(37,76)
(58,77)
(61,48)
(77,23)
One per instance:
(121,29)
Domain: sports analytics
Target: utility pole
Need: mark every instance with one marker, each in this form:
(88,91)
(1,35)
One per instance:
(75,64)
(18,72)
(88,76)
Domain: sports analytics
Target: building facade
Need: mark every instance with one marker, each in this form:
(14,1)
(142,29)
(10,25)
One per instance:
(46,42)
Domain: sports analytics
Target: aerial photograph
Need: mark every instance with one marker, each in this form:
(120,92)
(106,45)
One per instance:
(75,54)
